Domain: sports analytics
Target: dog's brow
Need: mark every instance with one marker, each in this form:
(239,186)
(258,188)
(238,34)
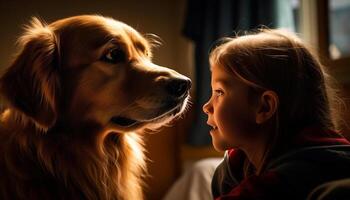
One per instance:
(140,46)
(114,39)
(109,39)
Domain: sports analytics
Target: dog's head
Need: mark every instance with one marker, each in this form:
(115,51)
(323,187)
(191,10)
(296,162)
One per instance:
(91,69)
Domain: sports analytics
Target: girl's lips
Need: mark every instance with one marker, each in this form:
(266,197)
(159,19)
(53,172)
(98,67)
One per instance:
(212,125)
(213,130)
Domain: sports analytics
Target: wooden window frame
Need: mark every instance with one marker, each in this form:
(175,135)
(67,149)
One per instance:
(315,24)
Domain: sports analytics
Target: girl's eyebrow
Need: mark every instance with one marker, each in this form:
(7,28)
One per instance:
(222,82)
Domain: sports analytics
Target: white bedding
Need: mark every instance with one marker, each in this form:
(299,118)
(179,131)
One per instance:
(194,184)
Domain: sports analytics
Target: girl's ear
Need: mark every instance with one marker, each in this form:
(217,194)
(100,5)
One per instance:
(267,106)
(30,85)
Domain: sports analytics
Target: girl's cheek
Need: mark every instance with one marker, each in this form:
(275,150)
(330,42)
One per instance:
(230,120)
(224,118)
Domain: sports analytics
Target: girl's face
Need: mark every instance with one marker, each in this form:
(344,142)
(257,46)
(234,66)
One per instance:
(230,113)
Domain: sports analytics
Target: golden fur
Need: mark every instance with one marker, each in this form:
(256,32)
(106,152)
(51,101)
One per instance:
(76,95)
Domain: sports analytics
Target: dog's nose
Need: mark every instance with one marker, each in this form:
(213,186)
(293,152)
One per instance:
(179,87)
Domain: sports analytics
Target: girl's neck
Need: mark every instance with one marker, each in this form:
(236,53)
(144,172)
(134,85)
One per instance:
(255,157)
(255,152)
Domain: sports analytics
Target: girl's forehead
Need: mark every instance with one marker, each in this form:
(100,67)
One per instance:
(220,70)
(223,74)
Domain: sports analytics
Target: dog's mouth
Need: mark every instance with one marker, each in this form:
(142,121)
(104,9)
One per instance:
(124,121)
(171,111)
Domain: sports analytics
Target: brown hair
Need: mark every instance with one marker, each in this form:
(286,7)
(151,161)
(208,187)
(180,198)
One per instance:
(278,60)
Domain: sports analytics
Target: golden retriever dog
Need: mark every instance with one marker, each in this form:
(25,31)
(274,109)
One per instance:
(77,97)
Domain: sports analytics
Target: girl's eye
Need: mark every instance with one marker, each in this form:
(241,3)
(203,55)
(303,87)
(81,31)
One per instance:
(114,56)
(218,92)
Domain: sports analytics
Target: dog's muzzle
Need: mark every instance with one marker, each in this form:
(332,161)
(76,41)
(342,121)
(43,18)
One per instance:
(178,91)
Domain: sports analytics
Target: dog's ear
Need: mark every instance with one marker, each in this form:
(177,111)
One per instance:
(31,84)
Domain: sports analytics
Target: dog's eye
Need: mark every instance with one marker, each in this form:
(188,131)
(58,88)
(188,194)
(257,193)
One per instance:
(114,56)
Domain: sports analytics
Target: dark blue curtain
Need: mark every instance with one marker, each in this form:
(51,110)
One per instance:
(208,20)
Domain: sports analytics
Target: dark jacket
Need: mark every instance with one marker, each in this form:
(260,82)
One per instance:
(317,156)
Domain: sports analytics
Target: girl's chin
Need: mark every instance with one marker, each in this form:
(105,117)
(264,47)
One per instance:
(219,149)
(218,145)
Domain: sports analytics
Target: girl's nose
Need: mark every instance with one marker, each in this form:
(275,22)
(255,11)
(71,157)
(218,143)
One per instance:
(207,108)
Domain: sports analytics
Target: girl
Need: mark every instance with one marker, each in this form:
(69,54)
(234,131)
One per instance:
(273,111)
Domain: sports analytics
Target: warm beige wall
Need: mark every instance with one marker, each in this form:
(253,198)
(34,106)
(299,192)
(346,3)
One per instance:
(162,17)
